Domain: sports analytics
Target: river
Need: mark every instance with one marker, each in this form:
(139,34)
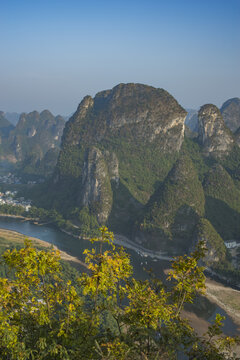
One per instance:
(75,247)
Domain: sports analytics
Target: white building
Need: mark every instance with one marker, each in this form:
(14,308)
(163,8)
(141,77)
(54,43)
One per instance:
(230,244)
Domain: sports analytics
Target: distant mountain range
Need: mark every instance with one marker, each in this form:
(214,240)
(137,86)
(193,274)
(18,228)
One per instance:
(13,117)
(33,144)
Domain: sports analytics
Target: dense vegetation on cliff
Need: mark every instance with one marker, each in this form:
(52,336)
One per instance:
(175,208)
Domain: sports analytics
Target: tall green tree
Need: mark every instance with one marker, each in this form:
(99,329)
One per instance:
(110,315)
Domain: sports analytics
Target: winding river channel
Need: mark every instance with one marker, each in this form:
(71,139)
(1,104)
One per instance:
(75,247)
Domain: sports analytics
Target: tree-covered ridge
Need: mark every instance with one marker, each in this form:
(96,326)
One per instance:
(219,185)
(108,315)
(216,250)
(176,206)
(222,202)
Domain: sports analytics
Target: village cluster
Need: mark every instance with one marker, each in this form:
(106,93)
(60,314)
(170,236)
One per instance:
(13,179)
(9,198)
(10,179)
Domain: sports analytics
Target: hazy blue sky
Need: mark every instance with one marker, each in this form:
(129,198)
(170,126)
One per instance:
(54,52)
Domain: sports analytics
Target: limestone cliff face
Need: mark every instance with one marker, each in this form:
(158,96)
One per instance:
(114,136)
(216,138)
(237,136)
(231,113)
(96,188)
(99,169)
(113,166)
(135,111)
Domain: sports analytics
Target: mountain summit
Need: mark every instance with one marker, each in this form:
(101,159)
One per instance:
(135,111)
(111,141)
(231,113)
(124,162)
(216,138)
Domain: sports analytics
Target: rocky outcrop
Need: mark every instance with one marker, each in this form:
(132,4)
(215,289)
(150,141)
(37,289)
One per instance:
(116,133)
(216,138)
(231,113)
(138,112)
(237,136)
(96,187)
(113,166)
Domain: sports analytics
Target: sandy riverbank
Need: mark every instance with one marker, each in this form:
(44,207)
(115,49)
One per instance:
(18,238)
(225,297)
(16,217)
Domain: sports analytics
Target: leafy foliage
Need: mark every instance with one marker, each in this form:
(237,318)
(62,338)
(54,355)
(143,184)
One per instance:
(110,316)
(216,248)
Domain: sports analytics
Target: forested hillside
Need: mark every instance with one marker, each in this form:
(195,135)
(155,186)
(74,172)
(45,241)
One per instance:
(125,162)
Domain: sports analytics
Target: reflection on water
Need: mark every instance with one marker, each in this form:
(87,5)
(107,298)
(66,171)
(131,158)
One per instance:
(75,247)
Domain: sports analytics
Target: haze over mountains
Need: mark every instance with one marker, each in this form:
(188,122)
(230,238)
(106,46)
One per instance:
(33,144)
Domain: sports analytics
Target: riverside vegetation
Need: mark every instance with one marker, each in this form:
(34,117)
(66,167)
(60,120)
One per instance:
(105,314)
